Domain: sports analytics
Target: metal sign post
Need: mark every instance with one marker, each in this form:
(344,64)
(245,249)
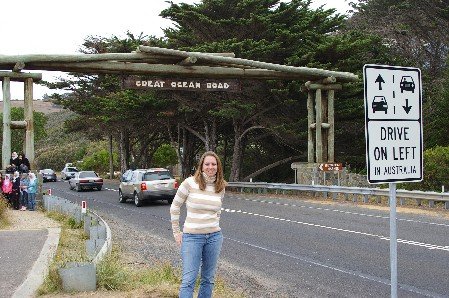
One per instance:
(393,133)
(393,242)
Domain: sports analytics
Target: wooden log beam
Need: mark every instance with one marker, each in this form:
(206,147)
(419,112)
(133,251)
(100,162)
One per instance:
(175,54)
(323,125)
(188,61)
(313,86)
(166,70)
(18,124)
(20,76)
(311,73)
(8,59)
(18,66)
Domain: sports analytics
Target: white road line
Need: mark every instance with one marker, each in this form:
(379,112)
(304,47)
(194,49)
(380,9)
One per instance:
(342,211)
(404,241)
(384,281)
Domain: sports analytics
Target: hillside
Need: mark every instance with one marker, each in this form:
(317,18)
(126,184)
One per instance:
(45,107)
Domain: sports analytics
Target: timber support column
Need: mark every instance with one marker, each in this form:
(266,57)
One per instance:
(321,119)
(6,146)
(28,123)
(28,113)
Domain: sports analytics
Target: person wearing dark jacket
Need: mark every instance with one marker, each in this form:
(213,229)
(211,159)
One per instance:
(15,194)
(14,160)
(24,164)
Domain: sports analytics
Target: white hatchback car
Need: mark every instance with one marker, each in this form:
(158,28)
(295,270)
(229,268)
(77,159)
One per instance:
(68,173)
(147,185)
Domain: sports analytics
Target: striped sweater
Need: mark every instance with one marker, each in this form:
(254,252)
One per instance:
(203,208)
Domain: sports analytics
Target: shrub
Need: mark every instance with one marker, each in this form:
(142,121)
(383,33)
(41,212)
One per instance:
(3,207)
(436,170)
(165,156)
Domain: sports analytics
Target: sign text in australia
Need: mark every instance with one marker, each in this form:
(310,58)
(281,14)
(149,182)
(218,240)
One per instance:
(393,123)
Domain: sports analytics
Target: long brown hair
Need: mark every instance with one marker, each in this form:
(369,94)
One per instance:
(220,183)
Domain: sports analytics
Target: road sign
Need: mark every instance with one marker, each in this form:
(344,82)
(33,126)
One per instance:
(393,123)
(330,167)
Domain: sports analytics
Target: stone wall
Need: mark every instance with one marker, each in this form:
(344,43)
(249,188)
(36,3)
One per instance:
(309,173)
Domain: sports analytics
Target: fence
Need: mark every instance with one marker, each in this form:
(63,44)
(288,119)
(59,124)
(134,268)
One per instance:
(431,197)
(78,276)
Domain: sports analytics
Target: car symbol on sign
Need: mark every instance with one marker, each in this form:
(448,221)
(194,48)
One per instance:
(407,84)
(379,104)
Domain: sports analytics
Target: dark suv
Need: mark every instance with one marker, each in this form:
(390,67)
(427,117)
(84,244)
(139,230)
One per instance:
(147,185)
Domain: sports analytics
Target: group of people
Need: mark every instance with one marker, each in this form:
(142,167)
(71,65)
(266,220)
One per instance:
(18,184)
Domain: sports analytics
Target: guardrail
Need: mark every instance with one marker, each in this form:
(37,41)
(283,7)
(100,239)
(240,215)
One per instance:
(81,276)
(431,197)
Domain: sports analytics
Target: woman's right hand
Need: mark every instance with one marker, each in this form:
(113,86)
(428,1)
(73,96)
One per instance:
(178,238)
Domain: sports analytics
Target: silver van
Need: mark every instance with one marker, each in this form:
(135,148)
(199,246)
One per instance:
(147,185)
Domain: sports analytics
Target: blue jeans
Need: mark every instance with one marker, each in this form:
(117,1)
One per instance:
(24,199)
(196,250)
(31,201)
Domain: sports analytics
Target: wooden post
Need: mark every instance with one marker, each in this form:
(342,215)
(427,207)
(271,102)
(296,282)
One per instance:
(331,130)
(310,118)
(28,113)
(6,146)
(324,126)
(319,120)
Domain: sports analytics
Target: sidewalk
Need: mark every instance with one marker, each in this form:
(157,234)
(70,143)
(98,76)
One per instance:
(26,248)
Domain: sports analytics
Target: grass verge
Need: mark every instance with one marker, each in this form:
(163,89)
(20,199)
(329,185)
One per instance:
(116,277)
(4,222)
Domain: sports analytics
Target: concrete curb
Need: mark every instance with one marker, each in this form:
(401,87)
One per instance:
(36,276)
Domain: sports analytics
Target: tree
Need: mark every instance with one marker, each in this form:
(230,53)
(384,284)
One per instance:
(105,109)
(417,32)
(271,31)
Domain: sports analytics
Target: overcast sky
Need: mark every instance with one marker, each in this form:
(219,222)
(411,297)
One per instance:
(59,27)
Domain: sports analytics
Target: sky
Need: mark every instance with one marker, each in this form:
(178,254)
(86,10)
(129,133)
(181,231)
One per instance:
(60,27)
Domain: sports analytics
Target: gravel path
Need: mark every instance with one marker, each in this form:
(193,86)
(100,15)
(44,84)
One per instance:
(29,220)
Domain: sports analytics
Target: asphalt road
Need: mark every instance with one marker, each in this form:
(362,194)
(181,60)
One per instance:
(309,249)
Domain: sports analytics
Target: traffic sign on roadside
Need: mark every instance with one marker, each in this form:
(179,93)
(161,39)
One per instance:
(330,167)
(393,123)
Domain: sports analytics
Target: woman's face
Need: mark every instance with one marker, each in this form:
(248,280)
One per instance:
(210,166)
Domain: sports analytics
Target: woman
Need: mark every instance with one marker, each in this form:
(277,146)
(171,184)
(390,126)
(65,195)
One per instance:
(32,189)
(15,193)
(24,191)
(24,163)
(201,238)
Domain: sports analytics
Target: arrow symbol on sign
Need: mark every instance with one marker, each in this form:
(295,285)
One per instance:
(380,80)
(407,108)
(321,166)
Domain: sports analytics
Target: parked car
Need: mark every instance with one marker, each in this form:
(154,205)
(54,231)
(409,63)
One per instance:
(68,172)
(147,185)
(86,180)
(48,175)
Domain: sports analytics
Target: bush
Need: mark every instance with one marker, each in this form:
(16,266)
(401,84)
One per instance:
(3,207)
(165,156)
(436,171)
